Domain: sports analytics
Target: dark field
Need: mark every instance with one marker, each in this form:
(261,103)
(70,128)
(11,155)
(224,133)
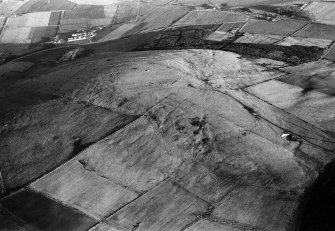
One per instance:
(282,27)
(45,213)
(54,18)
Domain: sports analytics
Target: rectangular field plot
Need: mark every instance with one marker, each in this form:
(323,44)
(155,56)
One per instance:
(163,17)
(16,35)
(209,17)
(259,39)
(307,42)
(317,30)
(284,27)
(110,10)
(43,33)
(118,32)
(101,22)
(74,185)
(54,18)
(219,36)
(70,25)
(30,20)
(45,5)
(85,11)
(323,12)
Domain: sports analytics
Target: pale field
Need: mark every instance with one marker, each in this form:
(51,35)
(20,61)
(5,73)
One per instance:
(219,36)
(315,107)
(205,17)
(30,20)
(16,35)
(308,42)
(259,38)
(95,2)
(7,8)
(323,12)
(110,10)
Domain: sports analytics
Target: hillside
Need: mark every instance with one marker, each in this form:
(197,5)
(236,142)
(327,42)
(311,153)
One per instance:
(176,115)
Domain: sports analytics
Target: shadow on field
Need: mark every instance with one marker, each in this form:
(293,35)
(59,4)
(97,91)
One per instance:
(317,208)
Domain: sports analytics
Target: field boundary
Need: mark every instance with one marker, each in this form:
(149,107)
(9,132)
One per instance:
(3,28)
(116,14)
(309,23)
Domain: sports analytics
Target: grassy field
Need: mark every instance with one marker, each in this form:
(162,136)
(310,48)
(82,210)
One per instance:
(259,38)
(118,32)
(319,31)
(229,26)
(281,27)
(7,8)
(16,35)
(110,10)
(70,25)
(30,20)
(209,17)
(94,2)
(127,12)
(85,11)
(163,17)
(45,5)
(323,12)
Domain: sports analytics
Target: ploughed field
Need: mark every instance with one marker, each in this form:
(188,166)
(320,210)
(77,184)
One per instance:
(160,140)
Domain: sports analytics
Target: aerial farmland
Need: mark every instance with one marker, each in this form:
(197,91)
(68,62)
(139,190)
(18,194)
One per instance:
(167,115)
